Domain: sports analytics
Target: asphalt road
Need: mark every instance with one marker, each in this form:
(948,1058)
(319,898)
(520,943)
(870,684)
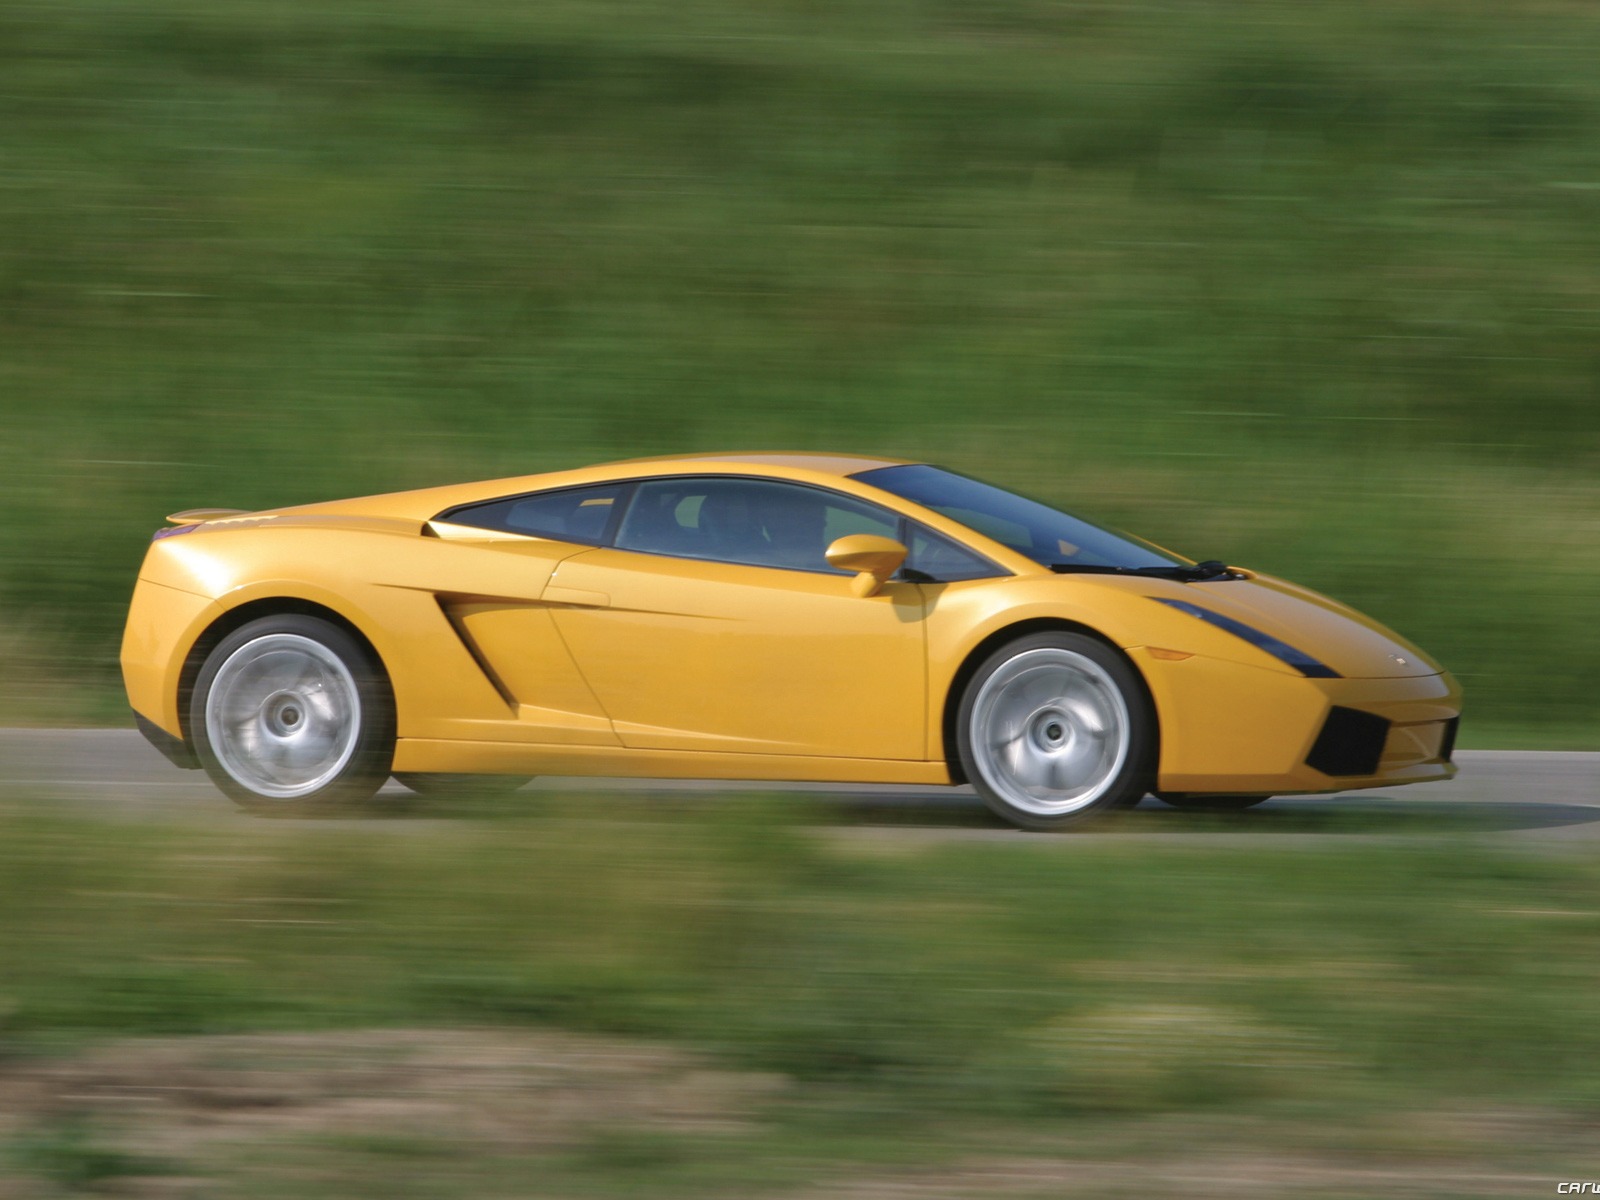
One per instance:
(1541,798)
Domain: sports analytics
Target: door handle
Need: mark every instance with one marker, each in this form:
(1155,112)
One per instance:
(575,596)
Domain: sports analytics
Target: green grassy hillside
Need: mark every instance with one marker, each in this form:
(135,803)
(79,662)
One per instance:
(1311,288)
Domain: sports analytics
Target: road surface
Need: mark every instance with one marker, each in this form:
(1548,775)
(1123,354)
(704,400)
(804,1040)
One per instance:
(1545,798)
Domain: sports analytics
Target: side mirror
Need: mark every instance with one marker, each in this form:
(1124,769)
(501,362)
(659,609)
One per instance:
(873,558)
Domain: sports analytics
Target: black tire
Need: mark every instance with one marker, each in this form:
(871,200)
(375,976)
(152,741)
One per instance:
(460,785)
(1201,802)
(347,698)
(1054,736)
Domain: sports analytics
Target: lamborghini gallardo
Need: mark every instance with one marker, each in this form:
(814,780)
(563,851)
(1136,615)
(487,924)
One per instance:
(757,617)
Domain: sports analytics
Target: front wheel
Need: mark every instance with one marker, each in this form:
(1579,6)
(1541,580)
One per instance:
(291,713)
(1055,727)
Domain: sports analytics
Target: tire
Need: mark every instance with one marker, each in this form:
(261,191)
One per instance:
(463,785)
(1201,802)
(292,715)
(1054,728)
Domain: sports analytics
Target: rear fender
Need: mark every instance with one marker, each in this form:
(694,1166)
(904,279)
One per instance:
(433,676)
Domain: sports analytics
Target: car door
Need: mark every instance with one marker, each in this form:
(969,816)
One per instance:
(714,623)
(490,574)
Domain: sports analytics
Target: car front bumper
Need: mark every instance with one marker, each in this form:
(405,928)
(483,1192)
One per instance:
(1230,728)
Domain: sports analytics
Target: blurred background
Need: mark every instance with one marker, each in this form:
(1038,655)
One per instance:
(1311,288)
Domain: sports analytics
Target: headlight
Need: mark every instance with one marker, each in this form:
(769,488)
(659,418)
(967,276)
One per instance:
(1282,651)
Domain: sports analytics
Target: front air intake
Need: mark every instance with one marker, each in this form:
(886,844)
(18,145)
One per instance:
(1351,743)
(1447,746)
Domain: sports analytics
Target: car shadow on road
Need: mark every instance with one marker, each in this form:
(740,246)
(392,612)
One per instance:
(959,809)
(1310,815)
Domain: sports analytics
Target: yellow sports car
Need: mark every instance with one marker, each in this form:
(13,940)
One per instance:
(757,616)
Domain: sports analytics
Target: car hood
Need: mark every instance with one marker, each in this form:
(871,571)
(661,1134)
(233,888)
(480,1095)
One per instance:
(1351,643)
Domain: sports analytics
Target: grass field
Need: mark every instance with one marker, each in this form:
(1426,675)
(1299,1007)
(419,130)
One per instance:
(717,999)
(1310,288)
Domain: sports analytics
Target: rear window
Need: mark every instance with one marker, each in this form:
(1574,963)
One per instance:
(570,515)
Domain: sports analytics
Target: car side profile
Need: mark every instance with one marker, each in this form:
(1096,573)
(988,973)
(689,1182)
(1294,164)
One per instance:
(761,617)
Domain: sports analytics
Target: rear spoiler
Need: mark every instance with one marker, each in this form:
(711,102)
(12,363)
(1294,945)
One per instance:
(195,516)
(190,520)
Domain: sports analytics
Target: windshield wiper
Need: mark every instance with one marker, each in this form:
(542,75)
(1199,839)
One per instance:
(1210,569)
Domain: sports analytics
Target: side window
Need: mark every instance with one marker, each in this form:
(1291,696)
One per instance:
(755,521)
(569,515)
(943,561)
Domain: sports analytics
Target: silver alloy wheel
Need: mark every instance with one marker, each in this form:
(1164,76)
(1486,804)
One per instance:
(1050,731)
(283,715)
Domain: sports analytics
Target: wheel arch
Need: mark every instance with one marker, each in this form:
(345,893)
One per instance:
(1010,633)
(240,616)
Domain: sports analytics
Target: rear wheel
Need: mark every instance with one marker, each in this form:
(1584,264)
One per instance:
(1055,727)
(291,713)
(1200,802)
(464,785)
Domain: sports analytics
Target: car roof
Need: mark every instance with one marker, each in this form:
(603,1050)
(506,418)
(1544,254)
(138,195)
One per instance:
(426,502)
(805,460)
(820,469)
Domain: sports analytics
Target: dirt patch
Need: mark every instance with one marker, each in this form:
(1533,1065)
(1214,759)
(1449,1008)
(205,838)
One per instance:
(171,1098)
(180,1117)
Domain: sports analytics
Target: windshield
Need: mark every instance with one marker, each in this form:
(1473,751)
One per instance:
(1048,537)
